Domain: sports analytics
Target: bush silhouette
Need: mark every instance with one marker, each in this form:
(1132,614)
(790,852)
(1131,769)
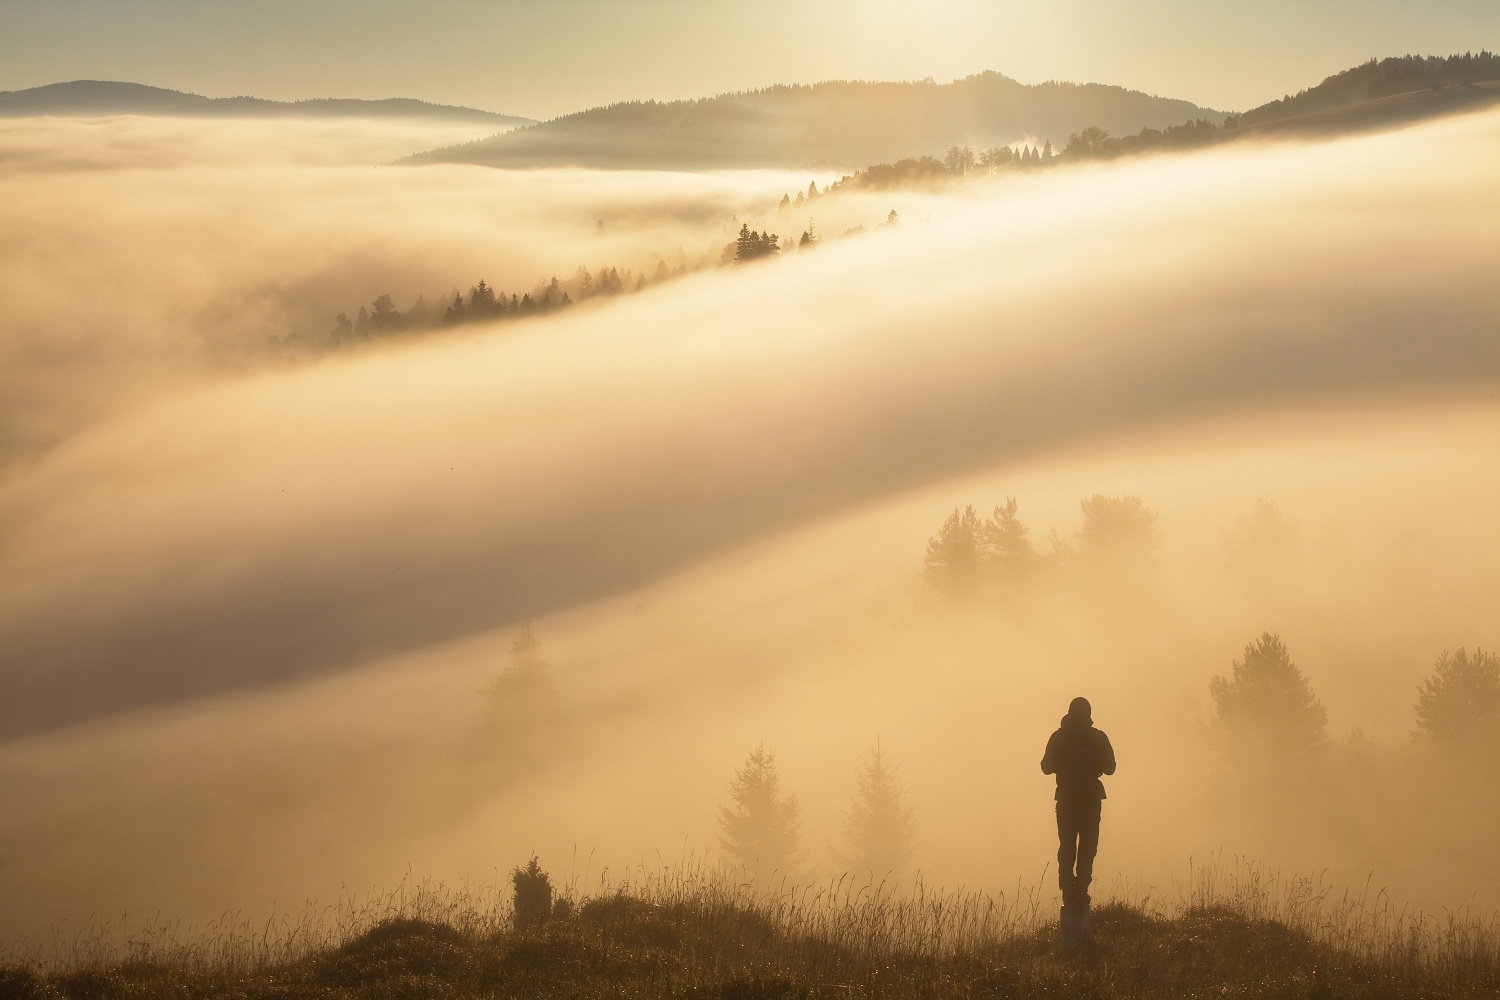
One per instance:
(533,894)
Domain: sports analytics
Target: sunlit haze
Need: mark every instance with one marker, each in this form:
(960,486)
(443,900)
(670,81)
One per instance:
(390,495)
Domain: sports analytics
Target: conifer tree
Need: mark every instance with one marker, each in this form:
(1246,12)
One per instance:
(1267,702)
(953,557)
(1117,528)
(532,894)
(1261,542)
(1007,551)
(1458,704)
(879,824)
(761,830)
(455,313)
(751,245)
(524,716)
(481,296)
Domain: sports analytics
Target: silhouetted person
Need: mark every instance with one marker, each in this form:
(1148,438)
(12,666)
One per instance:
(1078,754)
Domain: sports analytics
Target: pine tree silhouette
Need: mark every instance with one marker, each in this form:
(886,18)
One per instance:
(761,830)
(1116,528)
(1267,702)
(1458,705)
(523,710)
(1008,553)
(879,824)
(953,557)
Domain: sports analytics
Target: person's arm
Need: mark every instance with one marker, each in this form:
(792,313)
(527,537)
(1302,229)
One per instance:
(1106,754)
(1049,762)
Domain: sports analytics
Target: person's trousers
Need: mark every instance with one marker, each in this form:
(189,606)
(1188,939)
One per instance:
(1077,840)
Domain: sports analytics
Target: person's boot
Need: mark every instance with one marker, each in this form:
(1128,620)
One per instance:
(1067,883)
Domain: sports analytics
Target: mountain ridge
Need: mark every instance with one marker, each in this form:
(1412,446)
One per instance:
(840,122)
(78,98)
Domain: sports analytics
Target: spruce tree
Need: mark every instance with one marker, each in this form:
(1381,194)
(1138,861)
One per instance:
(455,313)
(522,707)
(761,830)
(533,894)
(879,825)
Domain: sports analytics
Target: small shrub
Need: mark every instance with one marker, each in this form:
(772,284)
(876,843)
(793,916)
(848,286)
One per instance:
(533,894)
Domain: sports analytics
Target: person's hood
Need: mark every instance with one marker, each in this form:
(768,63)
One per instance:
(1071,721)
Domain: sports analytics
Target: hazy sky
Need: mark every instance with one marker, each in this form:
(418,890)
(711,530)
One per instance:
(546,58)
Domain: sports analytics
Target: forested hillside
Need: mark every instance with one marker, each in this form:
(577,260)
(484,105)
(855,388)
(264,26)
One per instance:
(1373,80)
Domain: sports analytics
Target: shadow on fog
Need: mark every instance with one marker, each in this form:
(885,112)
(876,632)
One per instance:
(450,488)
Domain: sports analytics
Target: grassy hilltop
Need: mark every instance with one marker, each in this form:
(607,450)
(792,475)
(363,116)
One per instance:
(670,939)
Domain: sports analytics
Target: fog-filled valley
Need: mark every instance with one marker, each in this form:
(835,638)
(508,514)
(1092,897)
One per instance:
(259,602)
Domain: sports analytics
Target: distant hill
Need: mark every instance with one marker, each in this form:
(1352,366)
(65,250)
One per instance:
(1378,94)
(1379,112)
(1369,83)
(838,123)
(103,97)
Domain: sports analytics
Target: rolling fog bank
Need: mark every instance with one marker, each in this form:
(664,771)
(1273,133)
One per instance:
(246,619)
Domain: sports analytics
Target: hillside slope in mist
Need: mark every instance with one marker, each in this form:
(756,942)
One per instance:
(849,123)
(297,521)
(112,97)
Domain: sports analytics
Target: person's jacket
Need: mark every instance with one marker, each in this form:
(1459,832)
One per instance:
(1078,754)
